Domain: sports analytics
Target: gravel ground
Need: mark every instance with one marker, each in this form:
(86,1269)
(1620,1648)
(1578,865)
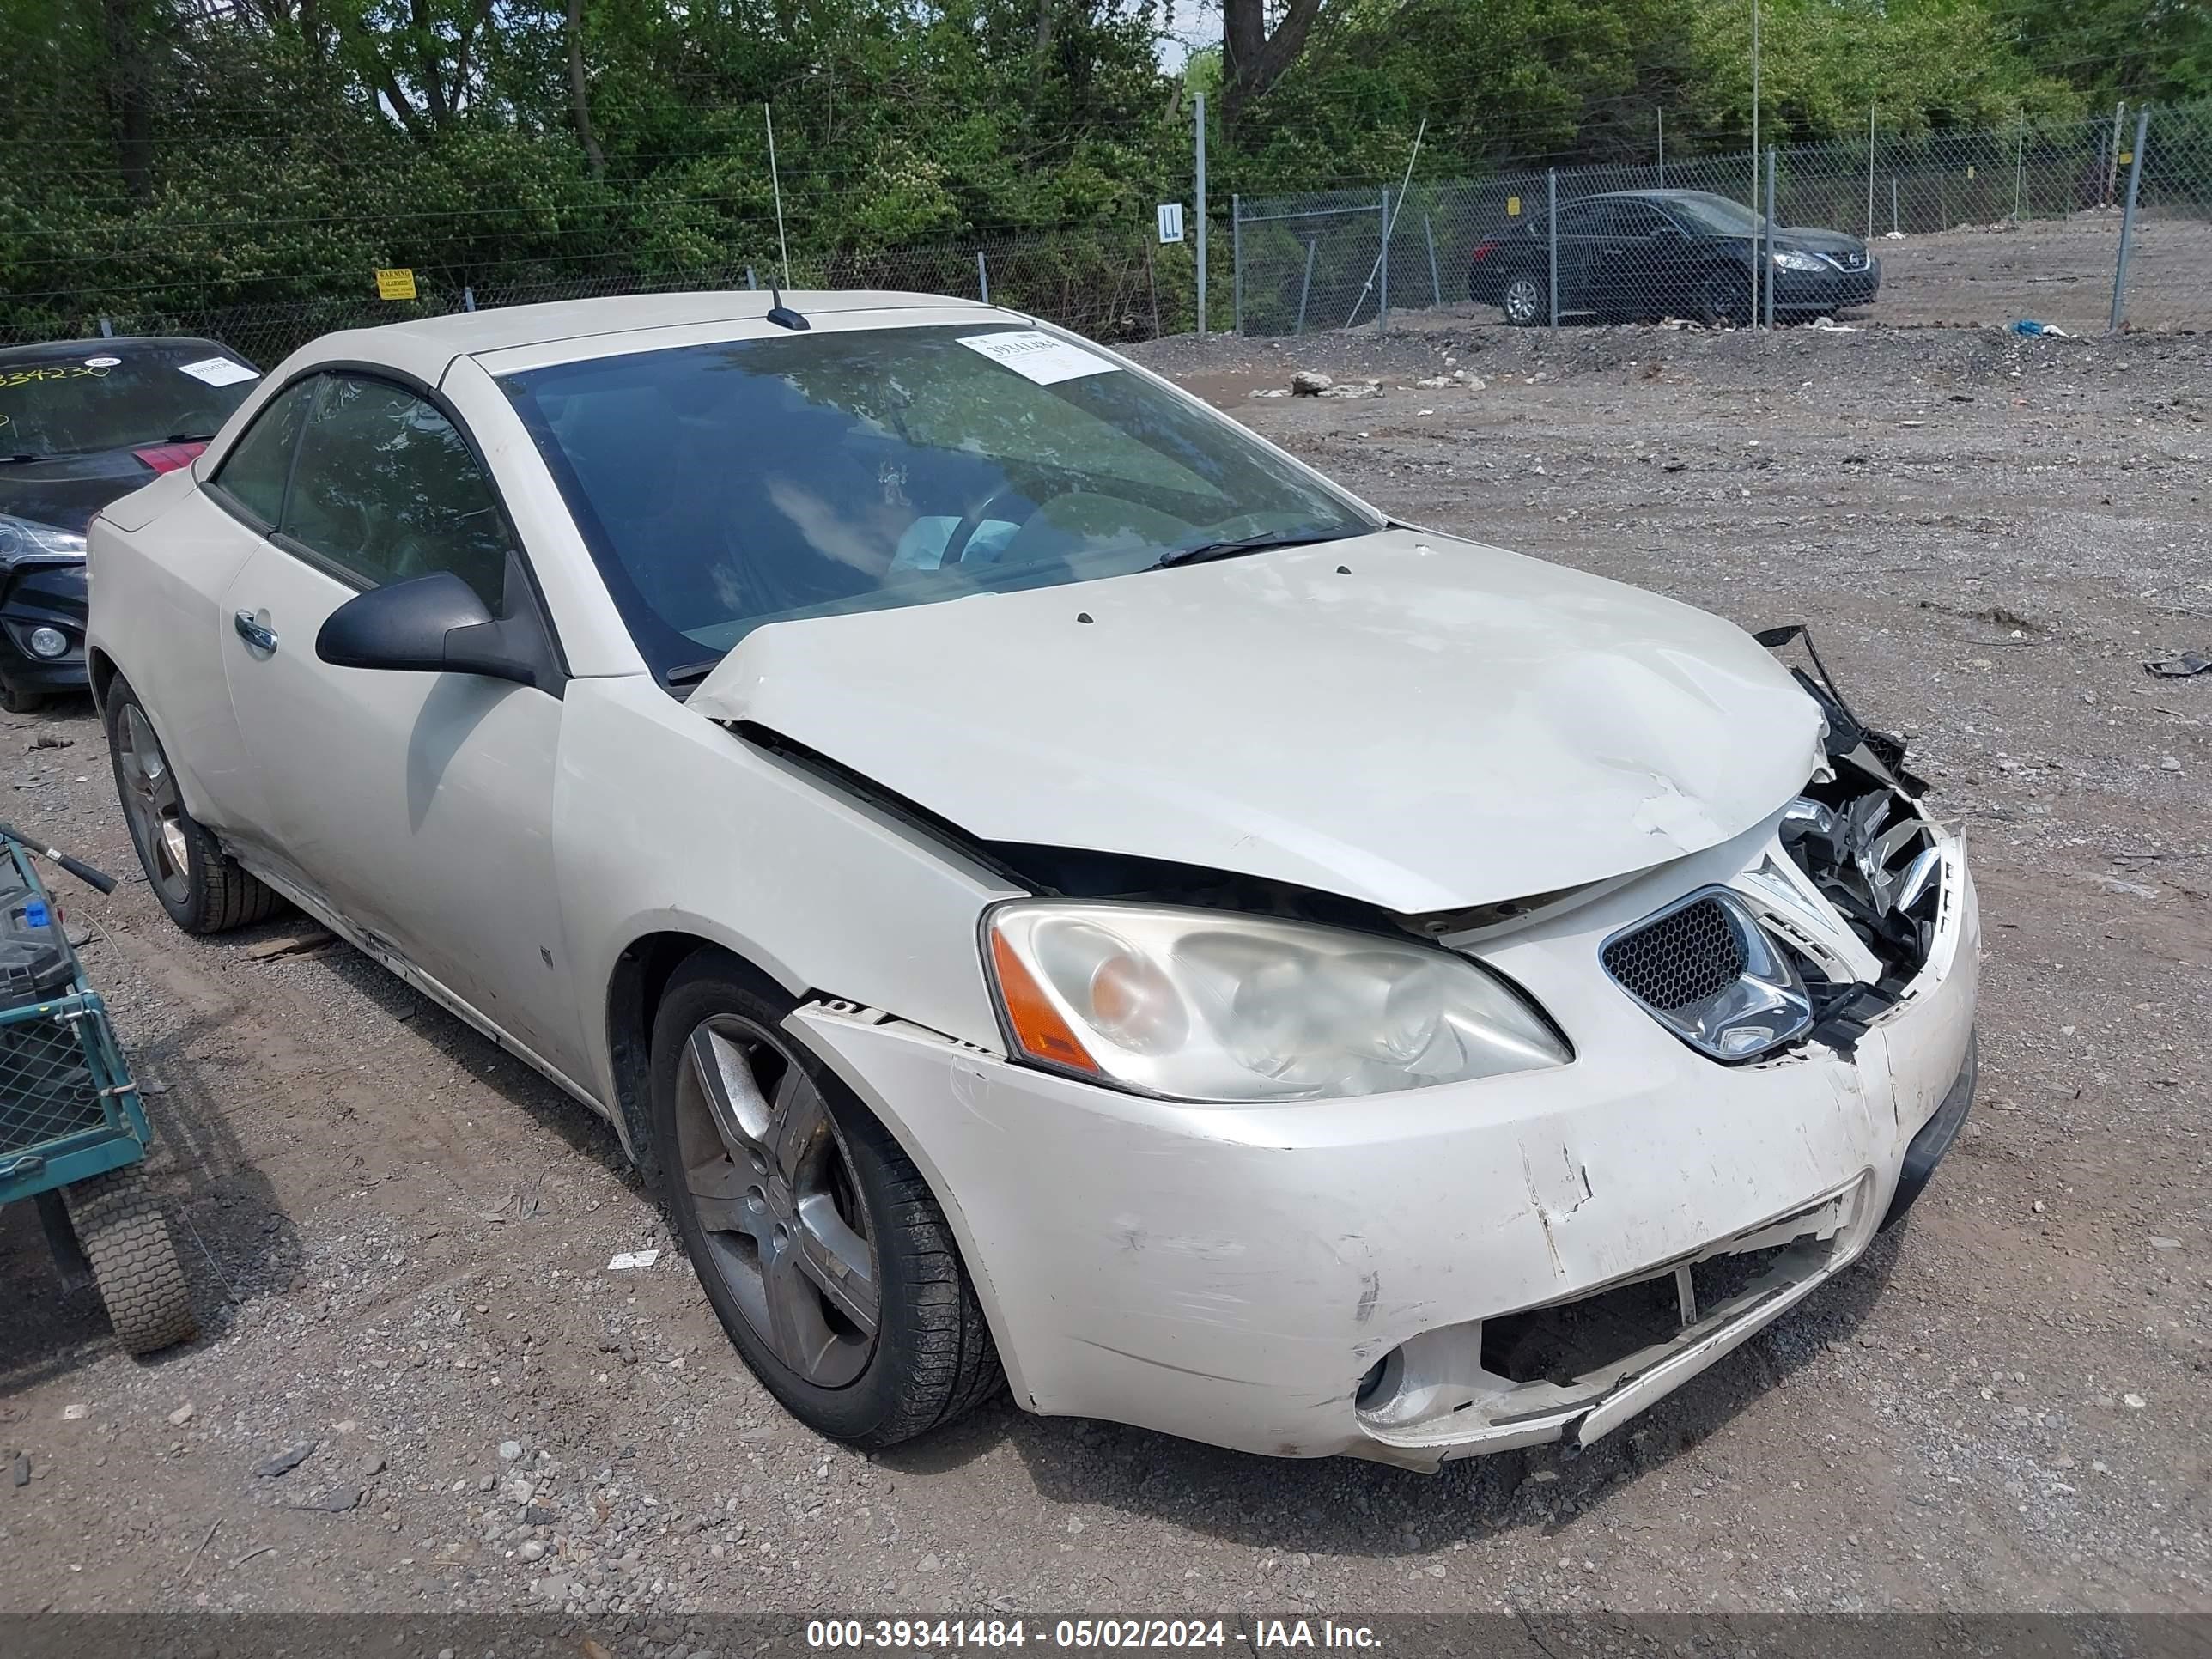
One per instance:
(399,1240)
(2057,270)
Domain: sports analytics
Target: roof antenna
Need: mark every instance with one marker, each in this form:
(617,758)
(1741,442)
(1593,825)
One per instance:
(782,315)
(779,314)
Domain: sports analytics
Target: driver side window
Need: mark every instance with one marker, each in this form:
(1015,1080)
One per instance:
(1638,219)
(385,490)
(1582,219)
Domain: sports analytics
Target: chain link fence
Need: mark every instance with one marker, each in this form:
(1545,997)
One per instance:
(2081,225)
(2029,223)
(2169,250)
(1106,284)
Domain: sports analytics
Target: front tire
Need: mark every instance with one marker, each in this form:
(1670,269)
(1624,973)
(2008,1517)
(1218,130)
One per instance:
(202,888)
(1523,302)
(18,700)
(818,1243)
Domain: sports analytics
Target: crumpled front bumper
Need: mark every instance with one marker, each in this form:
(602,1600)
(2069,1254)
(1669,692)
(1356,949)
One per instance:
(1232,1275)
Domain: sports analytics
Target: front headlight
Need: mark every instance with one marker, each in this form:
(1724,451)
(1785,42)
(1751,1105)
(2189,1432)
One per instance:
(1789,258)
(21,537)
(1199,1004)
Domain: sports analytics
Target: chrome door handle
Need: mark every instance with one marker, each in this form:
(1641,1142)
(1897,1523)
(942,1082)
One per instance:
(260,638)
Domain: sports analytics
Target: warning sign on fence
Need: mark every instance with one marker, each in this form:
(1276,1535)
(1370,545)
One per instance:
(398,284)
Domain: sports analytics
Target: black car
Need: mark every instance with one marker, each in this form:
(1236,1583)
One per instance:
(82,422)
(1641,254)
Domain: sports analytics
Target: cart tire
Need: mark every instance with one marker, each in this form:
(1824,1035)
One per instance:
(134,1261)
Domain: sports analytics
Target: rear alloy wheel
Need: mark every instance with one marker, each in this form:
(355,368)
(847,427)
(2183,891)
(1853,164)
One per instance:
(817,1241)
(1522,302)
(202,888)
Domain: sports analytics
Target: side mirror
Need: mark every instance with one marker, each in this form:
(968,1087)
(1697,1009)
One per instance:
(433,624)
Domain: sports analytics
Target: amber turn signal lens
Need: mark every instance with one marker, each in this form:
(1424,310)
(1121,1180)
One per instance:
(1042,1033)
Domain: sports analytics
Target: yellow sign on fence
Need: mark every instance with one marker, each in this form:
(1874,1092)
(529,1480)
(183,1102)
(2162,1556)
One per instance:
(1513,207)
(395,284)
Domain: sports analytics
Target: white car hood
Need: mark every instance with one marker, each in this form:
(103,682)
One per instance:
(1447,724)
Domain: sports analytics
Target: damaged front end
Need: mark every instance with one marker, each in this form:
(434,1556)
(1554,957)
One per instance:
(1852,910)
(1831,927)
(1826,933)
(1876,859)
(1480,1262)
(1860,837)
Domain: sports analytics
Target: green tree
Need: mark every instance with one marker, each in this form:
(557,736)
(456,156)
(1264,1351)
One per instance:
(2154,50)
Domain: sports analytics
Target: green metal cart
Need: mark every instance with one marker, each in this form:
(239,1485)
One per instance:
(73,1131)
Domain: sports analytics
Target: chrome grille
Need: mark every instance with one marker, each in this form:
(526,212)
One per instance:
(1706,969)
(1685,958)
(1851,261)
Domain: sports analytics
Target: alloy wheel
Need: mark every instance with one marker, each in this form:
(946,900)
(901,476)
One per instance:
(1522,301)
(151,803)
(771,1182)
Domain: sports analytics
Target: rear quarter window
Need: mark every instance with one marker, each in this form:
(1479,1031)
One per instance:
(253,474)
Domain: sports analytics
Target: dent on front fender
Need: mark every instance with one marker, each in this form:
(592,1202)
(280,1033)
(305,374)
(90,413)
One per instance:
(714,838)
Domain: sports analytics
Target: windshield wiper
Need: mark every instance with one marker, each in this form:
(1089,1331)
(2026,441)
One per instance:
(691,673)
(1242,544)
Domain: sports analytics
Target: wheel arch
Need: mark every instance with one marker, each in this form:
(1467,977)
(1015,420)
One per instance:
(105,674)
(637,981)
(640,979)
(101,672)
(635,985)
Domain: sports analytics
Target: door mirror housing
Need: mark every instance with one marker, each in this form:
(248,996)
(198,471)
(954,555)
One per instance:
(433,624)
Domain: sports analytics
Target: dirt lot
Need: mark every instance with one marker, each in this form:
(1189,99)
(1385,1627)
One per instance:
(400,1241)
(2057,270)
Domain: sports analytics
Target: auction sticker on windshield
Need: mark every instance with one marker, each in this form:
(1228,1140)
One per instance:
(219,371)
(1038,356)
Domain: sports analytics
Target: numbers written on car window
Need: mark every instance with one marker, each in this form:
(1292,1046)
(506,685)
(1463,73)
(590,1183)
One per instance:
(15,377)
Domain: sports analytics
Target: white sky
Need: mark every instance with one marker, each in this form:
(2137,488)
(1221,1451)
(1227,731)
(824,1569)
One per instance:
(1197,23)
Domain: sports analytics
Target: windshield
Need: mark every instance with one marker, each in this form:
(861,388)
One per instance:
(99,396)
(723,487)
(1717,213)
